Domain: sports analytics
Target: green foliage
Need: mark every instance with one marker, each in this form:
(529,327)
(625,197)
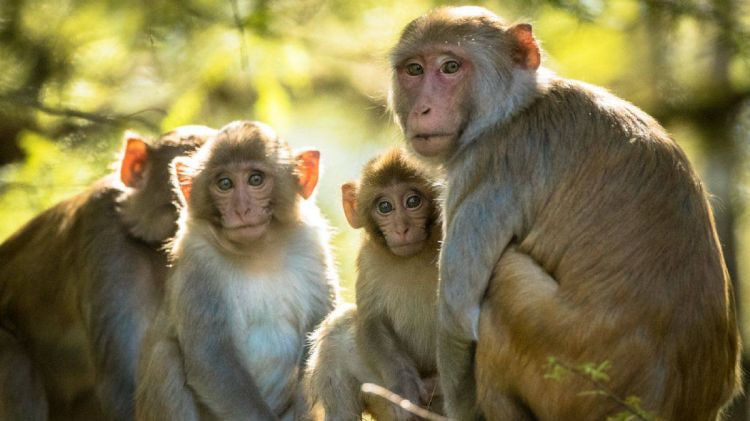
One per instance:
(50,173)
(76,73)
(596,374)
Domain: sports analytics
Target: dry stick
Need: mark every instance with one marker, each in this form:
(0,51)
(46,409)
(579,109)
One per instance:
(404,404)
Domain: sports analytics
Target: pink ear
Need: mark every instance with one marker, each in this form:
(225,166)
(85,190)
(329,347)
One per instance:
(184,176)
(349,201)
(134,159)
(308,165)
(528,55)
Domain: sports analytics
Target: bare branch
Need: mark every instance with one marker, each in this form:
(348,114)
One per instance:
(399,401)
(100,118)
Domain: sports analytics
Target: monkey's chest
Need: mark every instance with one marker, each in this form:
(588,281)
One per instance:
(413,319)
(268,318)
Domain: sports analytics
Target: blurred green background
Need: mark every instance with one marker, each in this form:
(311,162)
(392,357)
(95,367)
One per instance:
(76,73)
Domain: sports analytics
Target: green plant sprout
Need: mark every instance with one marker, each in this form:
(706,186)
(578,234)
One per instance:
(596,375)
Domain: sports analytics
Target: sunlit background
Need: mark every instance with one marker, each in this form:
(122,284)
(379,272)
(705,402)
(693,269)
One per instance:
(74,74)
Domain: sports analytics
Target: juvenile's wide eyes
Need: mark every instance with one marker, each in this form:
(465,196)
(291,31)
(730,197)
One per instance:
(224,183)
(385,207)
(255,179)
(413,202)
(451,66)
(414,69)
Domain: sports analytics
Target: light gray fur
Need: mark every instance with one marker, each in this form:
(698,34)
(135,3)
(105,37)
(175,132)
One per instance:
(241,322)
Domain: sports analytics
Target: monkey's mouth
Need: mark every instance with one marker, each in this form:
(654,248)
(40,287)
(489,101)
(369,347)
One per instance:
(431,144)
(247,225)
(406,249)
(246,233)
(430,136)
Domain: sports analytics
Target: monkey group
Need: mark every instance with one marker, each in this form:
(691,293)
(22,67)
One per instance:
(528,218)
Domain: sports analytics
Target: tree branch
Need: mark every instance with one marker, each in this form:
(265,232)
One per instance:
(99,118)
(401,402)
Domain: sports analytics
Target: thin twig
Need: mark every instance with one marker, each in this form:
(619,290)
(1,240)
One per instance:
(241,29)
(606,391)
(399,401)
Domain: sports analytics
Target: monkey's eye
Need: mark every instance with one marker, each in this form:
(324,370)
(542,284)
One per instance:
(414,69)
(451,66)
(224,184)
(255,179)
(413,201)
(385,207)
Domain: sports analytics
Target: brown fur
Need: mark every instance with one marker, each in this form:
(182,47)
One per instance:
(388,338)
(78,285)
(582,230)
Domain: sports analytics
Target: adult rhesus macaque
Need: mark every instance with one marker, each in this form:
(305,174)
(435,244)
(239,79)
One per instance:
(80,283)
(252,277)
(389,338)
(574,221)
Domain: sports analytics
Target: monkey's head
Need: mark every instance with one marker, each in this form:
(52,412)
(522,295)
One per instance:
(458,71)
(147,205)
(395,202)
(243,181)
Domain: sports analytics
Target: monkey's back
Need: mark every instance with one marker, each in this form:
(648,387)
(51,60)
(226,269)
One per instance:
(613,211)
(45,281)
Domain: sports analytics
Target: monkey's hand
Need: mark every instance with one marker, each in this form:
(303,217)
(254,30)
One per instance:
(430,390)
(413,389)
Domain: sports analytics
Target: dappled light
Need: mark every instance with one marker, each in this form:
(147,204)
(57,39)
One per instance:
(77,73)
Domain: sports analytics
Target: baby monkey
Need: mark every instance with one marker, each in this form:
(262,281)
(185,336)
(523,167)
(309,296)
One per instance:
(389,338)
(252,277)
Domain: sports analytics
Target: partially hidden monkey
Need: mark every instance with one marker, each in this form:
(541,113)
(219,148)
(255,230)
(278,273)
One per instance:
(575,228)
(389,338)
(252,277)
(79,285)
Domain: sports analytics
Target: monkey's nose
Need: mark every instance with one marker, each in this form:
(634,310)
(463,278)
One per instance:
(402,231)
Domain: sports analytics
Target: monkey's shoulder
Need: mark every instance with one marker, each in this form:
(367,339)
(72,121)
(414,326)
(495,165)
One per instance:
(588,113)
(97,203)
(73,237)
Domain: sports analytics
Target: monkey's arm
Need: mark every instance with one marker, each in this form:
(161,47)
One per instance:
(212,363)
(383,354)
(477,233)
(118,302)
(320,309)
(23,396)
(162,391)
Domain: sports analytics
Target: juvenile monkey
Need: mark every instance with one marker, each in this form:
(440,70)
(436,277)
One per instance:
(80,283)
(389,338)
(252,277)
(575,224)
